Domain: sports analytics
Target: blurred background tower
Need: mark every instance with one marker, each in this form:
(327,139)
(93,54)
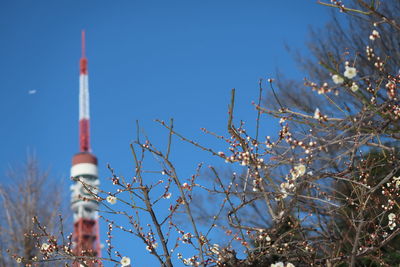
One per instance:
(85,237)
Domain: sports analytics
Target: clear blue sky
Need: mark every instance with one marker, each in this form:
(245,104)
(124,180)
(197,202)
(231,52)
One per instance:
(147,60)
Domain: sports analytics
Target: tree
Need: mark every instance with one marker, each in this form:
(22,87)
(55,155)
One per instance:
(314,185)
(376,58)
(345,37)
(27,193)
(380,165)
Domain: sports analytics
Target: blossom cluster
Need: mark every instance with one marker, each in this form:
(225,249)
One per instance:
(281,264)
(289,185)
(392,221)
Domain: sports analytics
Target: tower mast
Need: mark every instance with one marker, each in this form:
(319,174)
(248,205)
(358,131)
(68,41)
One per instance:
(84,115)
(84,170)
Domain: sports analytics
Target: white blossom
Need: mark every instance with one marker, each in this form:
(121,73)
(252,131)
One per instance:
(45,246)
(350,72)
(397,181)
(153,246)
(374,35)
(125,261)
(215,249)
(354,87)
(392,225)
(289,264)
(391,216)
(186,238)
(167,195)
(111,199)
(187,261)
(337,79)
(278,264)
(286,186)
(317,114)
(298,171)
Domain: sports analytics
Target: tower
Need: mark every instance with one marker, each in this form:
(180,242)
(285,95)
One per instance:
(85,175)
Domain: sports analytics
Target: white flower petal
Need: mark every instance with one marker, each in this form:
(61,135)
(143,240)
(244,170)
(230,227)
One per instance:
(391,216)
(350,72)
(125,261)
(317,114)
(337,79)
(354,87)
(111,199)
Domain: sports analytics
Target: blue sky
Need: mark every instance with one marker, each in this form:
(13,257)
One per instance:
(147,60)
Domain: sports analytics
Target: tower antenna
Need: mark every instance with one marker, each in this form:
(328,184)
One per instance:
(83,44)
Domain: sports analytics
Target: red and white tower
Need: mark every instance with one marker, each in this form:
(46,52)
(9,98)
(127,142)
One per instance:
(84,168)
